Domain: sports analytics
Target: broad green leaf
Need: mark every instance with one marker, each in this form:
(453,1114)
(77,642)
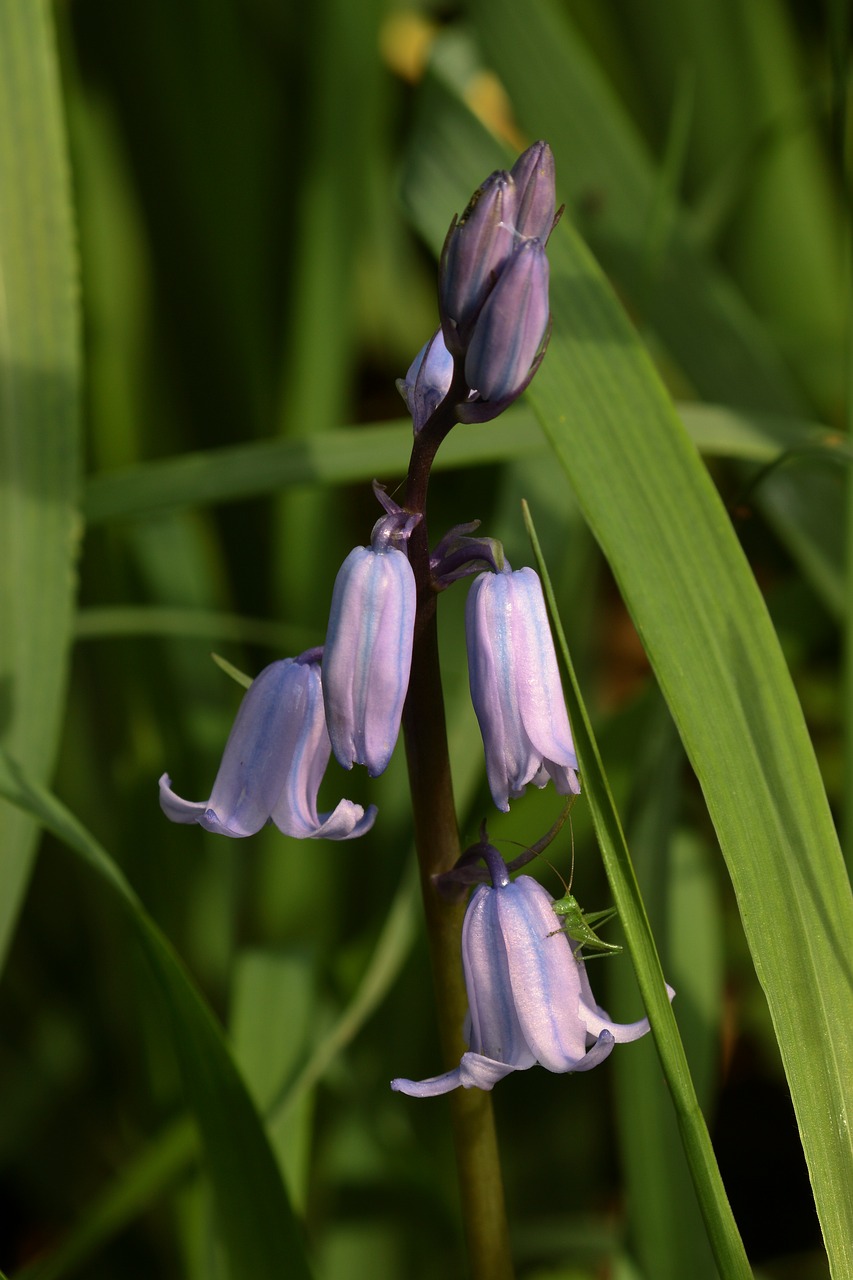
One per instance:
(258,1227)
(108,621)
(330,457)
(39,420)
(697,609)
(268,1048)
(351,454)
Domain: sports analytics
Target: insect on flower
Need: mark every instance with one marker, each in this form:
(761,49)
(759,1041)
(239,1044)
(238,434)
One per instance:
(579,926)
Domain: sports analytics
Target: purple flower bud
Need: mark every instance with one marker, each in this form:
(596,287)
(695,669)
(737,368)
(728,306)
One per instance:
(428,380)
(529,998)
(475,252)
(510,327)
(368,650)
(515,686)
(533,174)
(273,763)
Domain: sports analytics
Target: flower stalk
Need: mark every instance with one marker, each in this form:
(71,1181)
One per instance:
(438,848)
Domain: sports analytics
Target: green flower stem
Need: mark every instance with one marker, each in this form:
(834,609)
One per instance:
(437,842)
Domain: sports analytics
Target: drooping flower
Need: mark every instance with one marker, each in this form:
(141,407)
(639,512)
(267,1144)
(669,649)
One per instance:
(529,998)
(273,763)
(515,686)
(368,652)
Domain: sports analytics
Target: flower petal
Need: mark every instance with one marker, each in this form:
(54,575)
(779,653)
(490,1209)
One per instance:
(474,1072)
(543,974)
(535,200)
(494,1027)
(250,776)
(598,1022)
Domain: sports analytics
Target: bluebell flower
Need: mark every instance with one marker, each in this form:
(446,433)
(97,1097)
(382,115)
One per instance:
(529,998)
(427,381)
(273,763)
(368,651)
(515,686)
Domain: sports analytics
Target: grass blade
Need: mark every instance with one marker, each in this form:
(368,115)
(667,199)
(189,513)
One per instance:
(39,419)
(258,1227)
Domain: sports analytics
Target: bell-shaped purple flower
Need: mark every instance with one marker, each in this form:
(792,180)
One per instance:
(475,252)
(368,652)
(515,686)
(511,327)
(428,380)
(529,998)
(273,763)
(535,196)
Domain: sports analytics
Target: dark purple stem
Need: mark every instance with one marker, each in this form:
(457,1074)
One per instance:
(437,843)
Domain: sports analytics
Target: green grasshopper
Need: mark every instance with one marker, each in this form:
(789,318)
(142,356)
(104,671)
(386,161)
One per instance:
(579,926)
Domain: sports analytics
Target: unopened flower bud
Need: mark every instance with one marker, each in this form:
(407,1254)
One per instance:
(510,327)
(535,201)
(428,380)
(475,252)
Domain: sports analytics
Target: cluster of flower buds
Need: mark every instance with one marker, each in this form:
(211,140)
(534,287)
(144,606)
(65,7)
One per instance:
(493,297)
(529,998)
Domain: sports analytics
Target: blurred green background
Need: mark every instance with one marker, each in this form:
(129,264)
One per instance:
(242,176)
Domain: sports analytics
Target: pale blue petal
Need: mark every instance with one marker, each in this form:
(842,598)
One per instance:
(543,974)
(250,775)
(598,1022)
(474,1072)
(493,1028)
(304,754)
